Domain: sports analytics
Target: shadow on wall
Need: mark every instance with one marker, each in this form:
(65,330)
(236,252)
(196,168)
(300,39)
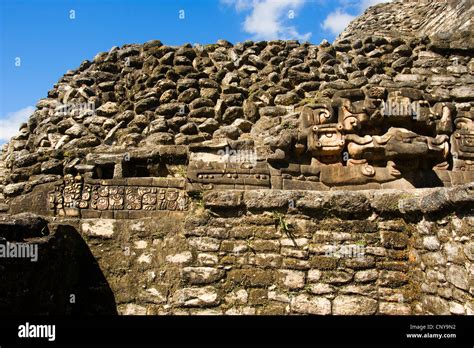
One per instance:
(65,278)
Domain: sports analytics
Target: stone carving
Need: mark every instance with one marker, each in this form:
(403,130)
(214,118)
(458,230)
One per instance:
(462,142)
(317,114)
(133,199)
(354,139)
(72,196)
(372,141)
(326,142)
(211,175)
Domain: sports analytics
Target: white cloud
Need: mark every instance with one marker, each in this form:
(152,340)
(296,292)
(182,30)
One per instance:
(270,19)
(240,5)
(337,21)
(10,124)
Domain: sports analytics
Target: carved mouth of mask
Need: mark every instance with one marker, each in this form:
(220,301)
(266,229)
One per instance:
(326,141)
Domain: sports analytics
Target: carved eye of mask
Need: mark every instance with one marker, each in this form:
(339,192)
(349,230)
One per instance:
(368,170)
(350,122)
(324,114)
(321,116)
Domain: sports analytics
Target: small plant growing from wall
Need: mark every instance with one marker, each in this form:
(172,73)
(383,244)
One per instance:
(280,222)
(283,225)
(181,171)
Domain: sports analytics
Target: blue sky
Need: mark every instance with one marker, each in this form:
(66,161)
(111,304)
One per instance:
(41,40)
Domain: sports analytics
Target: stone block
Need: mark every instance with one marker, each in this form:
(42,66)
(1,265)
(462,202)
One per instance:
(307,304)
(354,305)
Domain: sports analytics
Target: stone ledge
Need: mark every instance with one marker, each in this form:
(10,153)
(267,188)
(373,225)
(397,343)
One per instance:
(425,200)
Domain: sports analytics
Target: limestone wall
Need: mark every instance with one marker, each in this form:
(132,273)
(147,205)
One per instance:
(293,252)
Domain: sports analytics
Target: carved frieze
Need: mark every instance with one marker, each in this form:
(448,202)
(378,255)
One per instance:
(384,137)
(73,195)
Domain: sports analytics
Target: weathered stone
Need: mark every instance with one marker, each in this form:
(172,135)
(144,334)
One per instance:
(311,305)
(434,259)
(265,200)
(52,167)
(237,297)
(108,109)
(202,275)
(389,308)
(197,297)
(435,305)
(188,129)
(133,309)
(456,308)
(323,262)
(314,275)
(354,305)
(103,228)
(431,243)
(233,246)
(272,111)
(229,132)
(392,279)
(394,240)
(265,245)
(251,277)
(181,258)
(223,199)
(146,104)
(232,113)
(292,279)
(337,277)
(244,125)
(321,289)
(204,243)
(25,160)
(188,95)
(207,259)
(366,276)
(350,203)
(457,275)
(463,93)
(290,98)
(209,126)
(468,251)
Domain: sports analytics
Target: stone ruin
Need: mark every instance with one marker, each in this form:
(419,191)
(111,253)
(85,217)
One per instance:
(152,130)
